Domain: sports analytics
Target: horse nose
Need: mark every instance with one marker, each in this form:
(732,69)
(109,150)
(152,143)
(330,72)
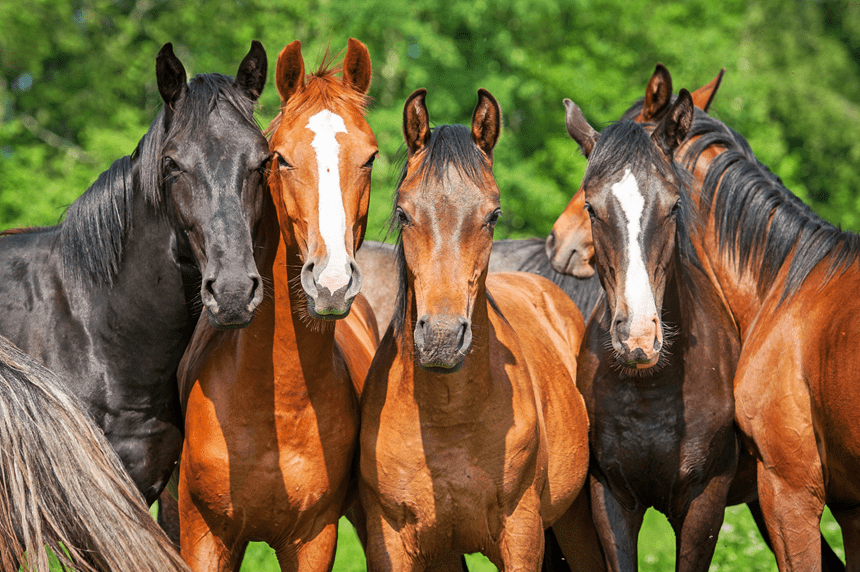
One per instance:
(638,341)
(231,298)
(330,291)
(442,342)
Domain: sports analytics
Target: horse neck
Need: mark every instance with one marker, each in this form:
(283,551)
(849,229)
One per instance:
(447,398)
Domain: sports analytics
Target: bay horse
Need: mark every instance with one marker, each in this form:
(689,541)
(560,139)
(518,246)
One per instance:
(271,418)
(659,354)
(62,486)
(109,298)
(786,277)
(473,435)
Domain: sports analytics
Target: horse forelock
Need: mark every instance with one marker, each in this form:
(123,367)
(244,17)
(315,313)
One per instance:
(323,89)
(759,223)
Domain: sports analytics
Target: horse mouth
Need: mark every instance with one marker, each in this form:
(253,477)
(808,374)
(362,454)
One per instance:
(328,314)
(235,324)
(439,367)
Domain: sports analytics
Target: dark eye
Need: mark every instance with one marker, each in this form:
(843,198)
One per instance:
(494,216)
(590,211)
(676,208)
(282,163)
(170,166)
(369,164)
(402,217)
(263,167)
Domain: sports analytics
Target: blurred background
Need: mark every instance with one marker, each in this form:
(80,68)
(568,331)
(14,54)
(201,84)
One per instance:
(78,91)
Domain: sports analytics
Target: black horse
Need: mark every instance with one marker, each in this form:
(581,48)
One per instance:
(110,297)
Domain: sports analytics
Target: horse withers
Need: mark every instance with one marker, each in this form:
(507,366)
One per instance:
(271,420)
(473,435)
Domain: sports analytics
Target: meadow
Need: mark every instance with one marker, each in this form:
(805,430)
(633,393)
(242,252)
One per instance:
(740,547)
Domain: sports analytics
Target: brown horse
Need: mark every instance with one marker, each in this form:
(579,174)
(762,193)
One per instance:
(271,419)
(473,435)
(662,418)
(731,249)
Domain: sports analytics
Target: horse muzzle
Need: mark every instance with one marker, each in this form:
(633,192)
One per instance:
(330,291)
(231,298)
(441,344)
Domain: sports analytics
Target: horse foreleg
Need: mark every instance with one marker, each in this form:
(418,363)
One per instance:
(697,533)
(849,521)
(617,528)
(202,548)
(577,536)
(521,544)
(315,555)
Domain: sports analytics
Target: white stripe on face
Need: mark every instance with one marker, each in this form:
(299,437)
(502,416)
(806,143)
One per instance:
(637,287)
(332,218)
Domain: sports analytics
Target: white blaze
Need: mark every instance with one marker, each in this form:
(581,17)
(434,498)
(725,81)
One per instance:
(332,217)
(637,287)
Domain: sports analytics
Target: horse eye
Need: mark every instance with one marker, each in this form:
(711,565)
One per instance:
(282,163)
(491,221)
(402,217)
(369,164)
(590,211)
(676,208)
(264,166)
(170,165)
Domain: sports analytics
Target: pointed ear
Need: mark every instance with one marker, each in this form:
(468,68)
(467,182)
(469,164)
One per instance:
(290,71)
(486,123)
(658,94)
(251,77)
(170,74)
(356,66)
(579,129)
(673,128)
(703,96)
(416,121)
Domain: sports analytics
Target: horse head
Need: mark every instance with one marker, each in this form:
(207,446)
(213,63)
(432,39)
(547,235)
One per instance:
(323,153)
(447,206)
(633,196)
(212,158)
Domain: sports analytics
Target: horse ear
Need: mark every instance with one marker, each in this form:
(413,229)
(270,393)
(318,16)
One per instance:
(579,129)
(170,75)
(251,77)
(416,121)
(673,128)
(290,71)
(356,66)
(703,96)
(486,122)
(658,94)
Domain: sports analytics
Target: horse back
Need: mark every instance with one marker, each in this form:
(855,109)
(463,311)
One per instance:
(548,330)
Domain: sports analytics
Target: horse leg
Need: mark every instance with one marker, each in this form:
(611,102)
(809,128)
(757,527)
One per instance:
(773,409)
(830,562)
(521,546)
(168,516)
(617,528)
(385,550)
(315,555)
(202,548)
(700,527)
(577,536)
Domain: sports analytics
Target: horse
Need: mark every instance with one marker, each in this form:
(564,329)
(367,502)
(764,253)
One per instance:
(473,434)
(62,486)
(271,411)
(786,276)
(710,152)
(109,298)
(659,354)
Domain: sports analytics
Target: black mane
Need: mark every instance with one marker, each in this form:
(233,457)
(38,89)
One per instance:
(759,222)
(93,232)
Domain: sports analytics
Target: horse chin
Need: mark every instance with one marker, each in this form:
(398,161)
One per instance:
(234,324)
(437,367)
(328,314)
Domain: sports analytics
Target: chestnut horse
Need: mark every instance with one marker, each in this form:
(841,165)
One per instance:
(271,420)
(473,435)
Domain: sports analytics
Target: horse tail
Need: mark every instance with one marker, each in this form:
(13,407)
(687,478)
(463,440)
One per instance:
(62,486)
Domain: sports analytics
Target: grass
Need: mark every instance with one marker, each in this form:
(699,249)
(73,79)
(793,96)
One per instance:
(739,547)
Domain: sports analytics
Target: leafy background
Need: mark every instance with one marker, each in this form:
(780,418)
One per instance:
(77,91)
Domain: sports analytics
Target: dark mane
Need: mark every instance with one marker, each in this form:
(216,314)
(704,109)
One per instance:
(449,145)
(759,222)
(93,232)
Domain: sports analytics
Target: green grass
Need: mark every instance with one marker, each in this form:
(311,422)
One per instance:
(739,547)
